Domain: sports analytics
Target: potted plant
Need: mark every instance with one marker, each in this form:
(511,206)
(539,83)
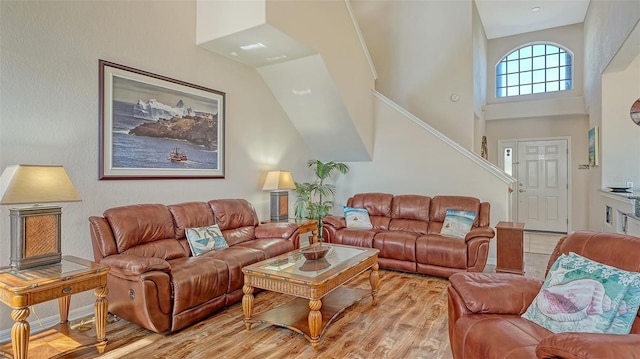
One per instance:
(315,199)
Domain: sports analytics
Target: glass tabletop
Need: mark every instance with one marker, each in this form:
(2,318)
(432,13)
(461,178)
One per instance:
(295,264)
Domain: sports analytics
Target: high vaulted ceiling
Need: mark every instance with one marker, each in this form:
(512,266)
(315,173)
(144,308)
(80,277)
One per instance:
(511,17)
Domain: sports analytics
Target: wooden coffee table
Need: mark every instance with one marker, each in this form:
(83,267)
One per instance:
(316,283)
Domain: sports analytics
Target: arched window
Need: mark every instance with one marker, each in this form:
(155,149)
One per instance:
(535,68)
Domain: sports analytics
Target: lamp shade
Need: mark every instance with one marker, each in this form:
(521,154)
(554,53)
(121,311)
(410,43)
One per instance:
(277,180)
(36,184)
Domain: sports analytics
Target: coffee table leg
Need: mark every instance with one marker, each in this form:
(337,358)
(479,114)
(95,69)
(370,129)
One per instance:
(247,305)
(315,322)
(20,333)
(374,279)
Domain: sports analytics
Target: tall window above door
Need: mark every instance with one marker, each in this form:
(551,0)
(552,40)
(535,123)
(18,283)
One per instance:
(534,68)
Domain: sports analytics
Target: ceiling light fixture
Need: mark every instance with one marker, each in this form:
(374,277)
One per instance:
(535,8)
(257,45)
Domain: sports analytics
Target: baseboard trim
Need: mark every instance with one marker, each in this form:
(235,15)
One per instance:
(48,322)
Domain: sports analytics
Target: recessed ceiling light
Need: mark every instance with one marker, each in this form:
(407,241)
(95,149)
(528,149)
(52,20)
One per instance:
(535,8)
(276,58)
(257,45)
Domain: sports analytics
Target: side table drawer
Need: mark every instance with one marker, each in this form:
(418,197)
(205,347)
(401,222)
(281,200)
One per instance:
(70,287)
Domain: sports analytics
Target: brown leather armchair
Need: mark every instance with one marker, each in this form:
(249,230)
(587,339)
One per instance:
(485,309)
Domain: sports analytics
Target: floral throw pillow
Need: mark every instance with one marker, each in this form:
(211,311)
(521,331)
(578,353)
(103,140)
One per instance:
(357,218)
(205,239)
(457,223)
(581,295)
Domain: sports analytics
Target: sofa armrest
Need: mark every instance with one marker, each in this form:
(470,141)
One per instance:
(284,230)
(338,222)
(495,293)
(589,345)
(486,232)
(127,266)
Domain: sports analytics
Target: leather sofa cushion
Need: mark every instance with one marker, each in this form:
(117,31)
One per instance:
(271,247)
(486,333)
(355,237)
(236,218)
(138,224)
(440,204)
(190,215)
(411,206)
(398,245)
(441,251)
(378,205)
(163,248)
(197,280)
(236,257)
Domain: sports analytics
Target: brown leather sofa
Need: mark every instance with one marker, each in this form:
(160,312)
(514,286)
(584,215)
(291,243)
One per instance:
(485,309)
(155,281)
(406,230)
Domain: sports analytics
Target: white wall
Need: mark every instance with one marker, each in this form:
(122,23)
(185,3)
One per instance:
(49,109)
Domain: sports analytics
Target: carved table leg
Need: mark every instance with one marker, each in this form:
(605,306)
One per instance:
(315,322)
(374,279)
(247,305)
(63,307)
(20,333)
(100,309)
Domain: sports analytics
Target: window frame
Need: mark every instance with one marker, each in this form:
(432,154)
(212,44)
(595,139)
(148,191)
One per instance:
(514,56)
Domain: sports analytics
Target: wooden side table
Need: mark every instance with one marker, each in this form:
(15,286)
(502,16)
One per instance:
(304,225)
(20,289)
(510,247)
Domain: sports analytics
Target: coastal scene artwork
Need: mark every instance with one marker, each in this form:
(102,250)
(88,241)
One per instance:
(156,127)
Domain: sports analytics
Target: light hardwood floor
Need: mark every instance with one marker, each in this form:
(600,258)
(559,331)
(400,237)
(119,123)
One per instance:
(409,321)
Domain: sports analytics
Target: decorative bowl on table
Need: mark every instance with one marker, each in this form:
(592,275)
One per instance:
(315,252)
(312,265)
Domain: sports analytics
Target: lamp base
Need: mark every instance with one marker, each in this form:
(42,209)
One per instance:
(279,206)
(35,236)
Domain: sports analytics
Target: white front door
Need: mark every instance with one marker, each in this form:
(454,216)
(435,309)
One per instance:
(543,187)
(542,193)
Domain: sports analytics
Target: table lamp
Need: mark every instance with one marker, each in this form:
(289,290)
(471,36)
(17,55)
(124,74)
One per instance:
(35,230)
(279,183)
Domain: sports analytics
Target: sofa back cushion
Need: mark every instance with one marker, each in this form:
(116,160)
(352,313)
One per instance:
(190,215)
(236,218)
(440,204)
(410,213)
(137,228)
(617,250)
(377,204)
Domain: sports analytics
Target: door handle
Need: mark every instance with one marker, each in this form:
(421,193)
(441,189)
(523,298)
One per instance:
(521,190)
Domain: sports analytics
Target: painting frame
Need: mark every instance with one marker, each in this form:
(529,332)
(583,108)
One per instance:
(144,116)
(593,137)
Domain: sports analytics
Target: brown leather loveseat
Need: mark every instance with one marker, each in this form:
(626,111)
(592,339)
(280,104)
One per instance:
(156,282)
(406,230)
(485,309)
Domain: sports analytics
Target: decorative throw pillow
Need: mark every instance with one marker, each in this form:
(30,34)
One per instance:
(457,223)
(205,239)
(357,218)
(581,295)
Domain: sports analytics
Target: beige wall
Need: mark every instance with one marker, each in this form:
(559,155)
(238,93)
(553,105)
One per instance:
(49,109)
(606,27)
(423,54)
(574,127)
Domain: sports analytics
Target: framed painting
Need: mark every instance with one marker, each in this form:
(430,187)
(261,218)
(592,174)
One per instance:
(593,146)
(155,127)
